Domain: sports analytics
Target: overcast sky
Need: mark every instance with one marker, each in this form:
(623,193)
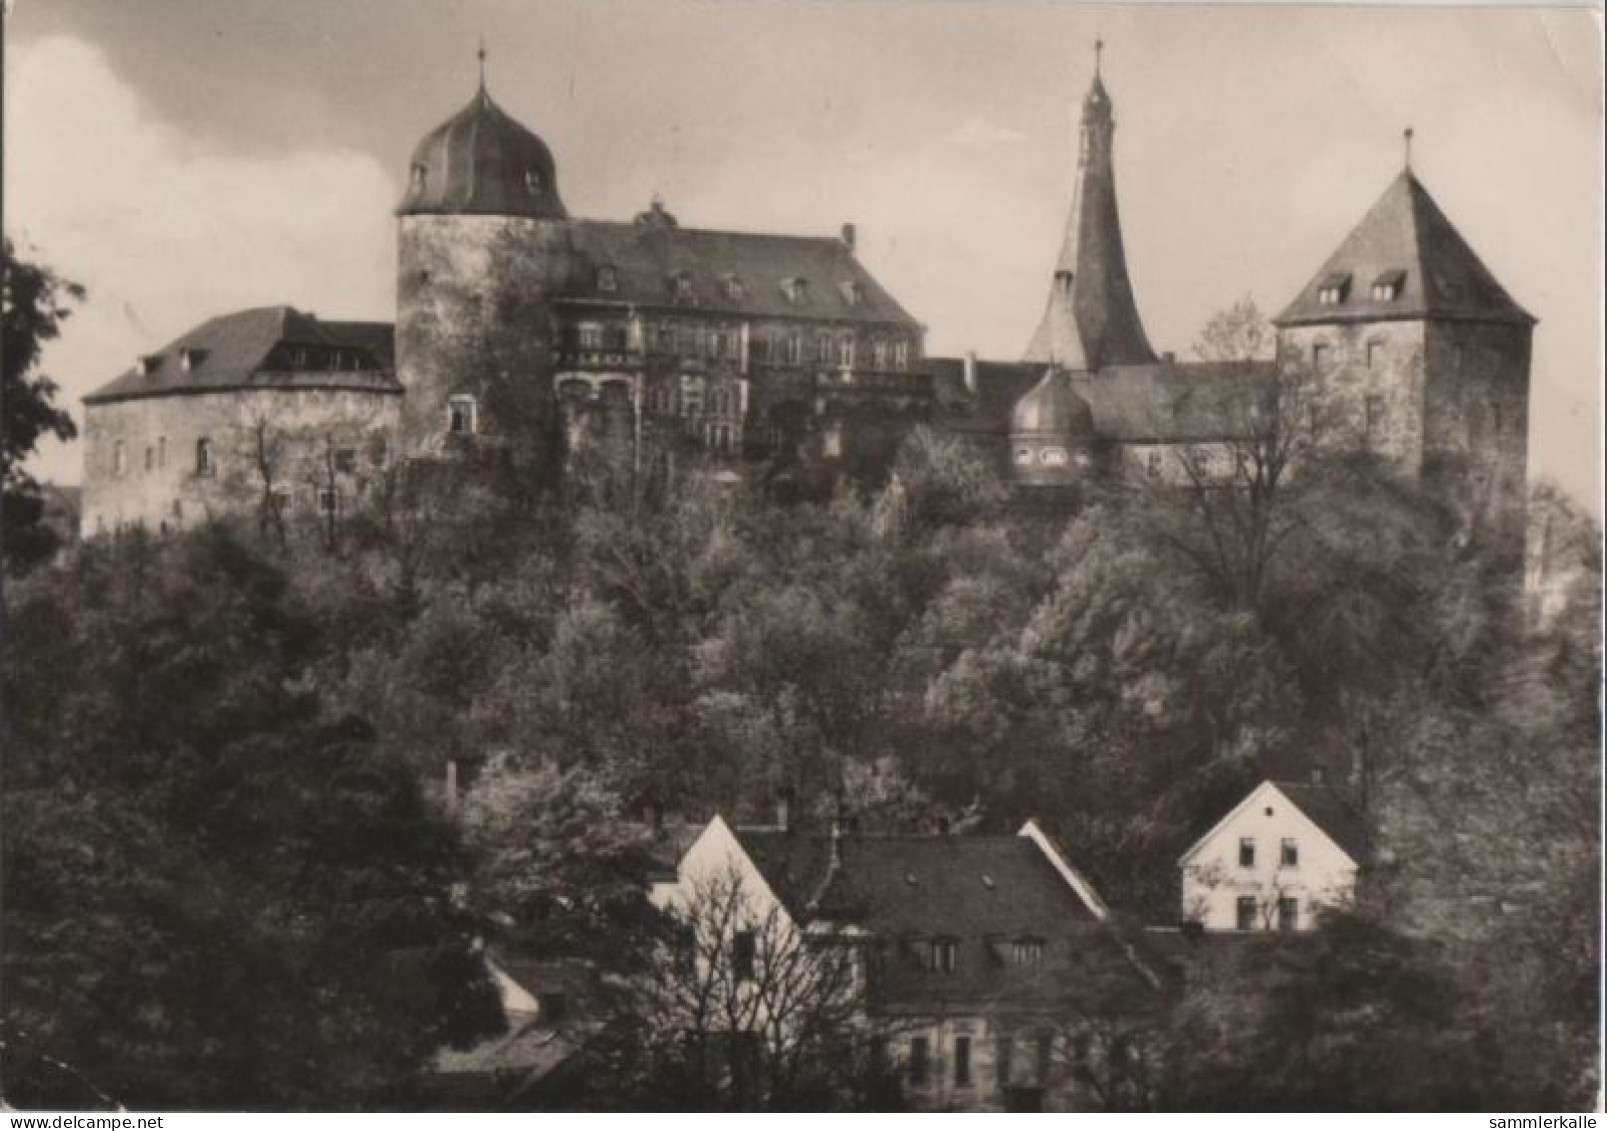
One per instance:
(183,158)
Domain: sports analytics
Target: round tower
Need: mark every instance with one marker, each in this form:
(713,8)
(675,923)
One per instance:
(1051,434)
(482,248)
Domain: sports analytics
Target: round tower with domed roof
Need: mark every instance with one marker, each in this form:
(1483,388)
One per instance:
(1051,434)
(483,245)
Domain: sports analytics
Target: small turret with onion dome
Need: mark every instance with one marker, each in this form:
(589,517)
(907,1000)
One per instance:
(1051,433)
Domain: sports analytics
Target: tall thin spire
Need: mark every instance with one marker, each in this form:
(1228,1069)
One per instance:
(1091,319)
(1407,135)
(481,55)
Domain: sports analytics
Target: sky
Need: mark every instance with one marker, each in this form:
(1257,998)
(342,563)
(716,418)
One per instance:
(183,158)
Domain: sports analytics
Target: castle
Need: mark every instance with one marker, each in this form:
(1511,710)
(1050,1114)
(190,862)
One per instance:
(533,339)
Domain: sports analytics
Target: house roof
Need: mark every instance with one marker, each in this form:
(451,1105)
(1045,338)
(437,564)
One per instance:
(1326,806)
(255,349)
(982,894)
(1405,239)
(743,274)
(1162,402)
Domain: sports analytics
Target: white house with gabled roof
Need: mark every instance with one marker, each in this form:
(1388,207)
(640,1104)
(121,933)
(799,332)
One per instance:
(1285,851)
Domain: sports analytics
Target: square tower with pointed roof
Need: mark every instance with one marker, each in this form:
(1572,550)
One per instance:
(1418,354)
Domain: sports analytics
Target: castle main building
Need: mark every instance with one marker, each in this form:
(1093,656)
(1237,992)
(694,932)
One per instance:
(539,340)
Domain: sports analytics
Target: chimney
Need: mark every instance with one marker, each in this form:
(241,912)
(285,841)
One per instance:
(970,372)
(850,234)
(784,799)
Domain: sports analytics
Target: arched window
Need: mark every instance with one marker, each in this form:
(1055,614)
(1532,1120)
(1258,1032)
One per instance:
(204,462)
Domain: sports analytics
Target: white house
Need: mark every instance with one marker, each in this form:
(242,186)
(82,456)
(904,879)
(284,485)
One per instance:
(964,948)
(1280,854)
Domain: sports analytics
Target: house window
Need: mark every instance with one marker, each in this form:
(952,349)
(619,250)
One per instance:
(681,287)
(1374,408)
(743,947)
(534,184)
(1002,1054)
(1152,462)
(962,1062)
(607,279)
(854,292)
(1023,456)
(1288,914)
(1027,952)
(878,354)
(462,415)
(150,458)
(733,288)
(1045,1057)
(1246,911)
(1289,854)
(1247,852)
(832,442)
(665,337)
(797,290)
(944,952)
(328,500)
(346,460)
(901,355)
(845,351)
(1319,357)
(920,1066)
(1375,354)
(823,349)
(161,452)
(1332,290)
(418,177)
(119,458)
(1054,457)
(204,463)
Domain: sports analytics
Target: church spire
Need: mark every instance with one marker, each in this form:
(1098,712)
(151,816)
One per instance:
(1091,319)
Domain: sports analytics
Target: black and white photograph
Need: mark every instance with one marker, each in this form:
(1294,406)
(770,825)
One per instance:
(872,556)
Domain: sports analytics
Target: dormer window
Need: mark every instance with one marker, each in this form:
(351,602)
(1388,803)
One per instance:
(148,364)
(681,287)
(796,289)
(854,292)
(1063,281)
(419,173)
(190,358)
(732,286)
(1026,952)
(607,279)
(1333,289)
(535,184)
(944,953)
(1388,286)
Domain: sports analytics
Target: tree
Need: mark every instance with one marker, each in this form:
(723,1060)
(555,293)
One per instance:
(743,1010)
(218,895)
(37,302)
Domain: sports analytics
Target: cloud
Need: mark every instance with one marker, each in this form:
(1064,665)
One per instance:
(978,132)
(164,234)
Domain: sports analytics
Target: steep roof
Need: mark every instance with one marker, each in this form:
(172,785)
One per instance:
(1330,809)
(1404,238)
(981,893)
(256,349)
(743,274)
(1091,319)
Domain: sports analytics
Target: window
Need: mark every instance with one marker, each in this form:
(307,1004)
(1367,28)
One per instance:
(1002,1054)
(962,1062)
(1247,852)
(733,288)
(743,948)
(119,458)
(607,279)
(1152,462)
(796,289)
(150,458)
(1288,914)
(832,442)
(1024,456)
(1054,457)
(1319,357)
(845,351)
(328,500)
(462,415)
(418,176)
(204,463)
(535,184)
(1045,1057)
(346,460)
(1375,354)
(681,286)
(944,952)
(795,349)
(1333,289)
(823,348)
(901,355)
(854,292)
(1027,952)
(161,452)
(1289,855)
(920,1065)
(1374,408)
(1387,287)
(1246,910)
(878,354)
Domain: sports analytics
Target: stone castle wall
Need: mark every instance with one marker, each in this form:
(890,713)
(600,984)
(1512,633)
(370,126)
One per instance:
(159,482)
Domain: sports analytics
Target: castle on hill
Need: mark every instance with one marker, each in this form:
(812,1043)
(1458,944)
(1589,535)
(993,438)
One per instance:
(534,339)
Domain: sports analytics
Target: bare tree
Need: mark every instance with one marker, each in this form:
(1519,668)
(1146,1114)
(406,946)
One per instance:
(270,509)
